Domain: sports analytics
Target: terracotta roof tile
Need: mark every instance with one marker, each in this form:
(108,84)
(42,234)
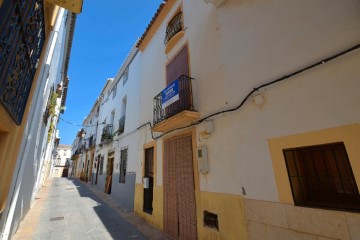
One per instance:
(151,23)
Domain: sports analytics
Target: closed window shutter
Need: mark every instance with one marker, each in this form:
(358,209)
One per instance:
(178,66)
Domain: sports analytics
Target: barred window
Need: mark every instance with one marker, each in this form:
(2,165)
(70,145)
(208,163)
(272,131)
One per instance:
(321,176)
(101,165)
(123,164)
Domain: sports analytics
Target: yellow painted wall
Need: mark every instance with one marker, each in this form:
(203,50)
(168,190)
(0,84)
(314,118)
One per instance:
(156,218)
(231,216)
(349,134)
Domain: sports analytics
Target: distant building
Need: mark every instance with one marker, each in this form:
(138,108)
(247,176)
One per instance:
(62,161)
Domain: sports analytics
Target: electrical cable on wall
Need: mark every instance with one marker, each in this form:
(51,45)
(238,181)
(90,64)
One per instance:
(285,77)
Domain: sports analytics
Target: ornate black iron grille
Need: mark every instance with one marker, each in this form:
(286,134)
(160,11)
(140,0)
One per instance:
(174,26)
(22,36)
(106,132)
(121,125)
(185,101)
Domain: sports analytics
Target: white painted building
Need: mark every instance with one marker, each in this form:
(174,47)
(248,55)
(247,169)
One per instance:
(241,121)
(224,160)
(110,161)
(62,161)
(35,158)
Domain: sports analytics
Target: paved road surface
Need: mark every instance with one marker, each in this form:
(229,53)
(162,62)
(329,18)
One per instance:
(69,209)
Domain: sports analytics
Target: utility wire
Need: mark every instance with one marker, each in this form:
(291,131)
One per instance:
(285,77)
(80,125)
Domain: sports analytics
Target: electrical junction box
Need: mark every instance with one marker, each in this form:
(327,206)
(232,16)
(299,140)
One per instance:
(146,182)
(203,162)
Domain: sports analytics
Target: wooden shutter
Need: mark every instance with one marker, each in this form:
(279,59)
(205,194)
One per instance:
(178,66)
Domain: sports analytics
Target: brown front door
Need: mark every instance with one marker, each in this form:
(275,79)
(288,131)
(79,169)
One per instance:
(109,172)
(149,173)
(179,188)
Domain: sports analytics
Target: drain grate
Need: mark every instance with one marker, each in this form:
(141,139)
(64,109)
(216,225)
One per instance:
(56,219)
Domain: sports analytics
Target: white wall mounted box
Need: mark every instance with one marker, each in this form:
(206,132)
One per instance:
(203,162)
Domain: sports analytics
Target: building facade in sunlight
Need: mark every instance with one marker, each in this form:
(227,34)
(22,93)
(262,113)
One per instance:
(246,123)
(62,161)
(35,40)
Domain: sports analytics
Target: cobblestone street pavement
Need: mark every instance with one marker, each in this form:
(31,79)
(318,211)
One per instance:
(66,208)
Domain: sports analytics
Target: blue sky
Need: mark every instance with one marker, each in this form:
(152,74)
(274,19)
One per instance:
(104,34)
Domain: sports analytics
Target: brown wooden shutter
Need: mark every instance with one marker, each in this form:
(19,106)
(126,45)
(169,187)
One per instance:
(178,66)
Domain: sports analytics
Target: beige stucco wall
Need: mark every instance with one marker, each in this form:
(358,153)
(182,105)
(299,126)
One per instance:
(269,220)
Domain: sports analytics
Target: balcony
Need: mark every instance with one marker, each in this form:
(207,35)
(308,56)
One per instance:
(177,114)
(92,141)
(174,32)
(121,125)
(106,136)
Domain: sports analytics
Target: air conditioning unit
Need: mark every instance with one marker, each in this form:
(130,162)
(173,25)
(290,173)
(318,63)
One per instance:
(217,3)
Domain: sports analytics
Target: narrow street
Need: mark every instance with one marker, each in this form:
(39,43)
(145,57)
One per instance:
(68,209)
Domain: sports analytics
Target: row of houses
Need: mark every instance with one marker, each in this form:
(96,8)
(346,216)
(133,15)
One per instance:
(35,44)
(234,120)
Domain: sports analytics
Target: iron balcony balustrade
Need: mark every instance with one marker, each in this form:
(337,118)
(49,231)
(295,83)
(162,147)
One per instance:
(174,26)
(121,125)
(106,135)
(92,141)
(178,113)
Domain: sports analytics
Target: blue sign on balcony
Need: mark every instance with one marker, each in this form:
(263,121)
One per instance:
(170,94)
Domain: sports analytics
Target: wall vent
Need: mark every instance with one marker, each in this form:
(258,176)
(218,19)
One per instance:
(211,220)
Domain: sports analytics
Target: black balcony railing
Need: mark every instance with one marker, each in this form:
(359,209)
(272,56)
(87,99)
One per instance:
(106,133)
(121,125)
(185,101)
(92,141)
(174,26)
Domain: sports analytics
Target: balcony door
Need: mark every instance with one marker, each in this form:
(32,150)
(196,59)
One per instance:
(178,66)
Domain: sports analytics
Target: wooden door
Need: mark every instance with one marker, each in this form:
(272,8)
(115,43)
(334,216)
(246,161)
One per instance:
(109,172)
(149,173)
(179,188)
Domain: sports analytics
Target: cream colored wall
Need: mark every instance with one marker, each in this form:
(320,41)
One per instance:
(269,220)
(257,42)
(234,49)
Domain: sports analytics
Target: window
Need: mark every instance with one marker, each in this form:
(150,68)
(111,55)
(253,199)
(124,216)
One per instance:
(125,75)
(101,165)
(321,176)
(123,164)
(174,26)
(114,91)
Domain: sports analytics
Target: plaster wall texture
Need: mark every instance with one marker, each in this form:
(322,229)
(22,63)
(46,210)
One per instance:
(242,45)
(30,168)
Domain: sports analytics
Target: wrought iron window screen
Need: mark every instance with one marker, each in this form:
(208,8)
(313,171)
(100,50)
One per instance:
(123,165)
(174,26)
(121,125)
(22,36)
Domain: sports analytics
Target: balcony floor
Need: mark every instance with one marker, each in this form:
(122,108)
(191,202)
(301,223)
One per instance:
(179,120)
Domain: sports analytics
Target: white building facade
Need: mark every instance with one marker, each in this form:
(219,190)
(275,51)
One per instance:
(267,83)
(241,121)
(35,158)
